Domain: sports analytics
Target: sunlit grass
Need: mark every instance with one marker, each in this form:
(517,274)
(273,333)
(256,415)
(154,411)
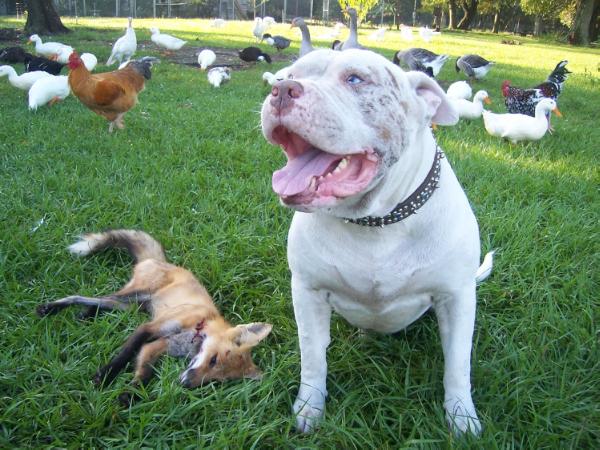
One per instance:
(192,168)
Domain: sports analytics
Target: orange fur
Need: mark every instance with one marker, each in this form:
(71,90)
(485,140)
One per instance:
(185,321)
(109,94)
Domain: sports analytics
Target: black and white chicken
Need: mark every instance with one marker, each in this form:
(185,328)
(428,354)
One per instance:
(524,101)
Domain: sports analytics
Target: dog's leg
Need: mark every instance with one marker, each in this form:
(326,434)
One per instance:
(313,315)
(456,318)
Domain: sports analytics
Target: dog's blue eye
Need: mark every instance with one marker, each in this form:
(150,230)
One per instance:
(354,79)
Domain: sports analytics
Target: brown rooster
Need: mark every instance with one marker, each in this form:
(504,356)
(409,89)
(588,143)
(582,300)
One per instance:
(109,94)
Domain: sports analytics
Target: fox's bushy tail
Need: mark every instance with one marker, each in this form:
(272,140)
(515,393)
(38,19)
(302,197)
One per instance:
(140,245)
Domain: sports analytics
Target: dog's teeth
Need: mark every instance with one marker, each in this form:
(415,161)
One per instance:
(329,175)
(342,165)
(313,183)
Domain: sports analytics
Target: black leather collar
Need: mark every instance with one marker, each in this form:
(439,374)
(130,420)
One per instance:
(409,206)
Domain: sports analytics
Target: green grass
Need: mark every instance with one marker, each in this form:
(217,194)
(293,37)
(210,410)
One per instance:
(193,169)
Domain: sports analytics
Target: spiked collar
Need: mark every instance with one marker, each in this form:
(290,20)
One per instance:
(409,206)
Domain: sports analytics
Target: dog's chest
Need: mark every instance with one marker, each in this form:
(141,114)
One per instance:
(383,287)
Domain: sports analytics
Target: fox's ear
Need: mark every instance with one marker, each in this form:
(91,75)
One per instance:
(250,334)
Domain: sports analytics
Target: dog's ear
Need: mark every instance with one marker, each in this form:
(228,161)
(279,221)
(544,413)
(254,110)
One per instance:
(439,109)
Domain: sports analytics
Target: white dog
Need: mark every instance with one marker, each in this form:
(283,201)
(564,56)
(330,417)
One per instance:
(383,230)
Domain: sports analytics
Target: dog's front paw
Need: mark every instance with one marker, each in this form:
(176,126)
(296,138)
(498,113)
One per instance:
(461,417)
(308,409)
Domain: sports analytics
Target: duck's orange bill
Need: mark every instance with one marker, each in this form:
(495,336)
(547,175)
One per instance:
(433,126)
(557,112)
(487,101)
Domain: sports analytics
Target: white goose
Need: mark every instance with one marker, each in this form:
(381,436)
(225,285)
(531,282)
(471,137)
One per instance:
(471,110)
(166,41)
(23,81)
(48,89)
(205,58)
(48,49)
(125,46)
(519,127)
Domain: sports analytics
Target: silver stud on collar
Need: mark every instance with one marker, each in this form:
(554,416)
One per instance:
(409,206)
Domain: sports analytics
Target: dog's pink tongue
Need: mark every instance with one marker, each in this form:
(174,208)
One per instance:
(296,175)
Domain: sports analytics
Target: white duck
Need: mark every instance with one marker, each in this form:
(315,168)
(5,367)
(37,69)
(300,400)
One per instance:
(459,89)
(333,33)
(218,75)
(48,89)
(426,33)
(272,78)
(259,28)
(205,58)
(125,46)
(218,23)
(48,49)
(23,81)
(166,41)
(378,35)
(89,61)
(519,127)
(406,33)
(471,110)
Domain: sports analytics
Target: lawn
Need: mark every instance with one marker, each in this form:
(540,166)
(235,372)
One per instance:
(192,168)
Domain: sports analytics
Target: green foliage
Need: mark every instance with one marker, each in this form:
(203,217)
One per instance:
(548,9)
(362,6)
(193,169)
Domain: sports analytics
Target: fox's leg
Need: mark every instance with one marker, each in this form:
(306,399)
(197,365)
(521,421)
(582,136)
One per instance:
(144,367)
(106,303)
(146,359)
(148,332)
(126,298)
(120,300)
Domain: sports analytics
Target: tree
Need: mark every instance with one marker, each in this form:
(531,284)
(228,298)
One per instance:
(495,8)
(469,8)
(584,28)
(543,10)
(362,6)
(42,18)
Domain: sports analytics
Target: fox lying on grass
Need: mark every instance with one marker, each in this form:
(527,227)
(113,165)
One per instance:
(185,322)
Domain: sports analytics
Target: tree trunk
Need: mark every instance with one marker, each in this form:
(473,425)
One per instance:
(42,18)
(470,9)
(537,26)
(452,14)
(584,24)
(496,25)
(595,23)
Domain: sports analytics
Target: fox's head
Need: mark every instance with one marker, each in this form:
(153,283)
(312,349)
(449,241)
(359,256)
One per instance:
(226,354)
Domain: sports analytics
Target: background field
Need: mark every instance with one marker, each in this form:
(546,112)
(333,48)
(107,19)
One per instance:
(193,169)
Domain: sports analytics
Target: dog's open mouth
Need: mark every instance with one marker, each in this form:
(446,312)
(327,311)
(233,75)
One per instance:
(312,173)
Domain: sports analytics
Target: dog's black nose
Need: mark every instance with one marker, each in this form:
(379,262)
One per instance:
(284,93)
